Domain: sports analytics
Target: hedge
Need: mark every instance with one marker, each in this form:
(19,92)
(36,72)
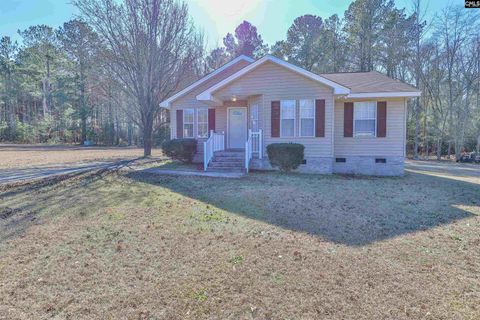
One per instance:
(181,149)
(286,156)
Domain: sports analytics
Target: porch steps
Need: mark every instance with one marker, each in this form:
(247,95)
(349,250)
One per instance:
(227,161)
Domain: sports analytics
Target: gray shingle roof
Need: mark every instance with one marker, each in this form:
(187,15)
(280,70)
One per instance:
(369,82)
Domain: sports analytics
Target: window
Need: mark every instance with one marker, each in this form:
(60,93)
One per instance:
(365,118)
(307,118)
(254,117)
(202,121)
(380,160)
(287,118)
(340,160)
(188,123)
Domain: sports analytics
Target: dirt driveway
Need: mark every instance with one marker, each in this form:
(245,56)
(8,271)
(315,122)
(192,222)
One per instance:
(28,162)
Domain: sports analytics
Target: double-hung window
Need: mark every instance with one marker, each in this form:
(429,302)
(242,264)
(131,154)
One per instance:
(307,118)
(254,117)
(202,123)
(188,116)
(287,118)
(365,116)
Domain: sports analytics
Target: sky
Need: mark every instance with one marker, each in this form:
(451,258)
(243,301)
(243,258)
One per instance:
(214,17)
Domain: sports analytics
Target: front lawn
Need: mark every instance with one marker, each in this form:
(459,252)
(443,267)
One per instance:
(267,246)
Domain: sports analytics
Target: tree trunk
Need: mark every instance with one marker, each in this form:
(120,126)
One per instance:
(439,148)
(427,150)
(478,144)
(11,121)
(147,130)
(130,132)
(117,129)
(458,150)
(147,141)
(44,96)
(84,127)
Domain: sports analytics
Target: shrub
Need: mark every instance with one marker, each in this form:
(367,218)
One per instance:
(286,156)
(181,149)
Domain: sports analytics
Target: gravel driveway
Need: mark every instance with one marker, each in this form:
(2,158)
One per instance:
(22,162)
(468,172)
(8,176)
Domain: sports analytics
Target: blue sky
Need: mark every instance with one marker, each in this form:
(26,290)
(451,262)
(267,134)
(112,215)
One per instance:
(214,17)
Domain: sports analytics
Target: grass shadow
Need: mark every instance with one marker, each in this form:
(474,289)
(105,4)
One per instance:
(354,211)
(21,204)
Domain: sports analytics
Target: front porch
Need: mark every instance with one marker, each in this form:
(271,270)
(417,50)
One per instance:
(234,134)
(217,158)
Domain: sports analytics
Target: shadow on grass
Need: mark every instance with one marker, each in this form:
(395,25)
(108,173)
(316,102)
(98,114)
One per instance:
(354,211)
(179,166)
(29,199)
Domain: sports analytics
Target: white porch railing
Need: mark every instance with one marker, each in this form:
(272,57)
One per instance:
(257,143)
(253,145)
(216,142)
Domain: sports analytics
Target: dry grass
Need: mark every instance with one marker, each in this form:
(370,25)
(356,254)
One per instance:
(18,156)
(267,246)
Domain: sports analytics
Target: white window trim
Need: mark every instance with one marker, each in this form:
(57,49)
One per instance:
(354,120)
(300,118)
(294,118)
(184,122)
(198,123)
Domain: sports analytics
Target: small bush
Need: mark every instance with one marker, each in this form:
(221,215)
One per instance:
(181,149)
(286,156)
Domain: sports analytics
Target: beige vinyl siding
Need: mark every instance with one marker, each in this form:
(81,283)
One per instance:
(272,82)
(392,145)
(221,119)
(189,100)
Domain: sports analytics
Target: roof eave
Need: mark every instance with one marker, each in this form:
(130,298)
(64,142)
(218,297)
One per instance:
(167,103)
(410,94)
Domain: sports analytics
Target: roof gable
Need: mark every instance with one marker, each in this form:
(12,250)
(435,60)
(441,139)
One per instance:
(207,94)
(166,103)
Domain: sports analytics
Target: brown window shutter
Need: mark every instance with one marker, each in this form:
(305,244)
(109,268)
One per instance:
(179,124)
(381,119)
(211,120)
(319,118)
(348,119)
(275,119)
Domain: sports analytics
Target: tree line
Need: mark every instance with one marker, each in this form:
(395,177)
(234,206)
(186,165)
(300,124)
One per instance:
(101,77)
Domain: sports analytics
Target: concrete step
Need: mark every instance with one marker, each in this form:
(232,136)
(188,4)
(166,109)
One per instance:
(225,169)
(229,156)
(225,164)
(229,153)
(227,159)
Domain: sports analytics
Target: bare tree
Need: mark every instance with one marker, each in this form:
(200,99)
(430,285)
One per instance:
(150,45)
(8,50)
(453,34)
(418,34)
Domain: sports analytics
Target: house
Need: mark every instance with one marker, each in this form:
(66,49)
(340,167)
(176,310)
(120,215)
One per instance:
(348,122)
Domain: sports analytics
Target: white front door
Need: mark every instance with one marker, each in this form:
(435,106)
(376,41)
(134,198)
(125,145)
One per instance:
(237,128)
